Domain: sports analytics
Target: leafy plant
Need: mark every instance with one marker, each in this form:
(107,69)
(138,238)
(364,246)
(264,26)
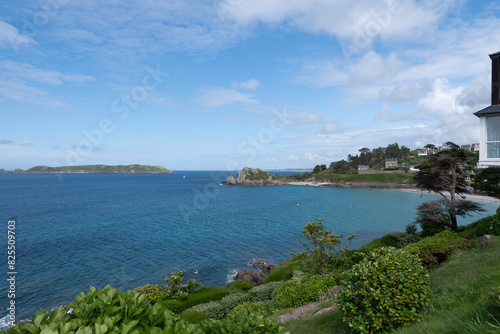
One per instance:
(231,301)
(245,319)
(389,240)
(175,289)
(436,249)
(325,252)
(201,296)
(263,292)
(107,311)
(384,291)
(404,239)
(214,310)
(298,292)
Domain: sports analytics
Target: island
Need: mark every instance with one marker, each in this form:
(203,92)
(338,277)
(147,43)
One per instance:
(95,169)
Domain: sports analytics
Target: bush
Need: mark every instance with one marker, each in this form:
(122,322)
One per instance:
(214,310)
(384,291)
(263,292)
(436,249)
(251,307)
(242,285)
(326,252)
(231,301)
(204,295)
(283,272)
(296,292)
(153,292)
(404,239)
(243,320)
(388,240)
(487,225)
(193,317)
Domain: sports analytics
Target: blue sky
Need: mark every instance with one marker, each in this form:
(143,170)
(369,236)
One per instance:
(223,84)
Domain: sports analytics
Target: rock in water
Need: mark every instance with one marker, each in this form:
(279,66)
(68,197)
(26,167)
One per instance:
(229,181)
(256,277)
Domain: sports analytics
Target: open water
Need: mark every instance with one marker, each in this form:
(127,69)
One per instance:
(79,230)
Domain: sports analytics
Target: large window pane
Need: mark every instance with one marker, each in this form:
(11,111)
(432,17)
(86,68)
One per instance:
(493,125)
(493,150)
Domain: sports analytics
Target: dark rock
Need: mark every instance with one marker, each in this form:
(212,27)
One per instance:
(256,277)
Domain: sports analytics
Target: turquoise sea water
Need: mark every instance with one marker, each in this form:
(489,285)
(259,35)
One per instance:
(127,230)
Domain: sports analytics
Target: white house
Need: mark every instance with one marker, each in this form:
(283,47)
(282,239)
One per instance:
(489,120)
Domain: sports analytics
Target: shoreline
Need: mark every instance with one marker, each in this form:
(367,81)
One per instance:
(388,186)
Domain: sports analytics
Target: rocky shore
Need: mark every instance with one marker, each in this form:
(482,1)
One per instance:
(258,177)
(256,277)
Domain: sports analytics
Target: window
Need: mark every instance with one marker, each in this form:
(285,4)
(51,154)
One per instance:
(493,137)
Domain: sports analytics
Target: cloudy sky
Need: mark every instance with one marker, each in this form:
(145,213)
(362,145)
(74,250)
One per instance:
(222,84)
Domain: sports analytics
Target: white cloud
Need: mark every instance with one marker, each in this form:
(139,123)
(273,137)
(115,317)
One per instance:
(251,84)
(372,67)
(311,156)
(218,97)
(271,160)
(29,72)
(17,143)
(293,158)
(330,128)
(11,38)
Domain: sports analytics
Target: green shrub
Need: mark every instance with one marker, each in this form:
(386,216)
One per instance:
(384,291)
(153,292)
(296,292)
(107,311)
(263,292)
(231,301)
(404,239)
(204,295)
(388,240)
(214,310)
(257,307)
(324,248)
(242,285)
(283,272)
(487,225)
(244,320)
(436,249)
(193,317)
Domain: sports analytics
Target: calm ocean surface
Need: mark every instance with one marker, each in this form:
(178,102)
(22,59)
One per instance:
(128,230)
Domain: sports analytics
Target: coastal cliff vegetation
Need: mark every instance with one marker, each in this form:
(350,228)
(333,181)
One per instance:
(100,169)
(401,283)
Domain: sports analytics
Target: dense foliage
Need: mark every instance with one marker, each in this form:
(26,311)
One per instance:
(436,249)
(384,291)
(298,292)
(107,311)
(173,288)
(444,174)
(324,250)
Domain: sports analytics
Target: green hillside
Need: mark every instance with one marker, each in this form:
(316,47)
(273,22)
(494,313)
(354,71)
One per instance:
(100,169)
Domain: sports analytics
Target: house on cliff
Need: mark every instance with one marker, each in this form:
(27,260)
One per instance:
(489,120)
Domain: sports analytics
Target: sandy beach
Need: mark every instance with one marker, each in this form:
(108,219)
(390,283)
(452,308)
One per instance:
(396,187)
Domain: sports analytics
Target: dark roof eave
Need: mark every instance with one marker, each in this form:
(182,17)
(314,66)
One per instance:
(488,111)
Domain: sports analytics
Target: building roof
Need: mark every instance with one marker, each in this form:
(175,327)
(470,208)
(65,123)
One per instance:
(488,111)
(495,54)
(391,159)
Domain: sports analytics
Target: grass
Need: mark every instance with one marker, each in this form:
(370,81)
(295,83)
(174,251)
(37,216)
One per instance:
(460,302)
(203,295)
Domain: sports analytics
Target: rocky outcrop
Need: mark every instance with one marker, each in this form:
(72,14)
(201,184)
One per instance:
(256,277)
(253,176)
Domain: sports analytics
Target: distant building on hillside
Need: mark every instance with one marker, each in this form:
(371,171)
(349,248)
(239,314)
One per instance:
(489,120)
(475,147)
(362,168)
(466,147)
(422,153)
(391,162)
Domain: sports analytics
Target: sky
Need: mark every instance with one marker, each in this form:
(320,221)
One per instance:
(224,84)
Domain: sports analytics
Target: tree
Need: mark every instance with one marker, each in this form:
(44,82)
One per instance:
(444,175)
(434,217)
(452,145)
(488,180)
(430,147)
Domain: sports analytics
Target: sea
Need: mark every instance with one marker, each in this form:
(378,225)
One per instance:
(73,231)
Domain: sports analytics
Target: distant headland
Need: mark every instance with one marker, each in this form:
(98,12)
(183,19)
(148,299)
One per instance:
(94,169)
